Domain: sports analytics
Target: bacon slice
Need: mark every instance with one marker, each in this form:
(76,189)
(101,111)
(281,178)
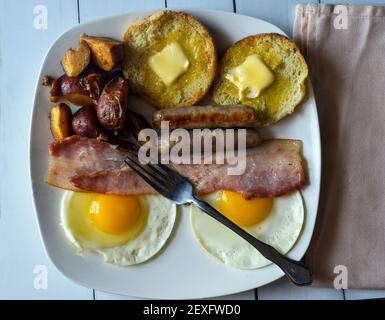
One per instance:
(273,169)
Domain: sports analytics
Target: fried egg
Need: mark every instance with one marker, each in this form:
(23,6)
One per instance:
(125,230)
(275,221)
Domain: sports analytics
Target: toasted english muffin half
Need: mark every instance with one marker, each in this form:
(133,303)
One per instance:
(148,36)
(283,58)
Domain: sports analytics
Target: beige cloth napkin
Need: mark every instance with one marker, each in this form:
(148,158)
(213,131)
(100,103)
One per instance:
(347,68)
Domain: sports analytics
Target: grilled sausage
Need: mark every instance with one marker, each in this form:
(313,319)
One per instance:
(253,139)
(234,116)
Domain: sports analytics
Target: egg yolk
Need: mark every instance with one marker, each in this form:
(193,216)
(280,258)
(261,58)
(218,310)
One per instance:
(241,211)
(114,214)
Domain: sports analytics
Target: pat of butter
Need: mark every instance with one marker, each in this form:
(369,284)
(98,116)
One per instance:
(169,63)
(251,77)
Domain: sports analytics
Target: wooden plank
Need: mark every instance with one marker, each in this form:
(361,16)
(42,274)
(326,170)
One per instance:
(22,50)
(284,290)
(224,5)
(247,295)
(100,295)
(94,9)
(359,294)
(278,12)
(368,2)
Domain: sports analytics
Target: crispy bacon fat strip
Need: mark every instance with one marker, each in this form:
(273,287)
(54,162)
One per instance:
(78,163)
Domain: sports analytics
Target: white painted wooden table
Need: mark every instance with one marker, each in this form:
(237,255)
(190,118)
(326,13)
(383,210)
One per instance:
(22,49)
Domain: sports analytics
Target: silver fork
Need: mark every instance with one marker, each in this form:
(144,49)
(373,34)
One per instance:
(178,189)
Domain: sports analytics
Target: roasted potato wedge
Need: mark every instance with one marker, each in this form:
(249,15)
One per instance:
(111,107)
(85,123)
(72,90)
(107,53)
(80,91)
(60,121)
(74,61)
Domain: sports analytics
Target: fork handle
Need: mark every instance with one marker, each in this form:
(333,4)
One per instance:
(299,273)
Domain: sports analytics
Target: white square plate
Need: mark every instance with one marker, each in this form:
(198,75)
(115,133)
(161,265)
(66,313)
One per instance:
(182,270)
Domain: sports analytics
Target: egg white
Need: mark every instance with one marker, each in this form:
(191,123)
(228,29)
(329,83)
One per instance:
(280,229)
(160,220)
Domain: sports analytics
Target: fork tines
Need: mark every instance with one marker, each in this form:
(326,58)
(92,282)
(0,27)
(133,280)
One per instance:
(153,176)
